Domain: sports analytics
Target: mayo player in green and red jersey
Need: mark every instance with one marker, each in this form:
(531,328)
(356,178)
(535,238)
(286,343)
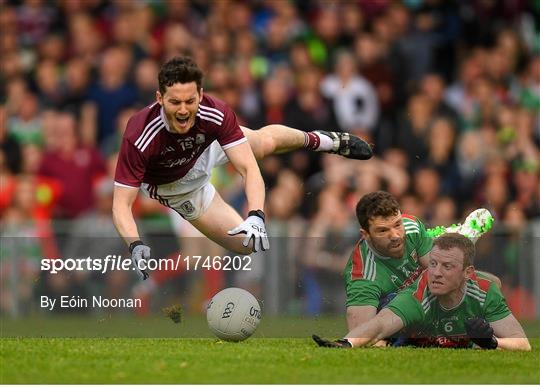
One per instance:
(392,253)
(450,305)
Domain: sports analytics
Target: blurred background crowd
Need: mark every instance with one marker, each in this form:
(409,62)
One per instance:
(448,93)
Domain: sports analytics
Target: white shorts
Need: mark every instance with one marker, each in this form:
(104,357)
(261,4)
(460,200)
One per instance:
(191,195)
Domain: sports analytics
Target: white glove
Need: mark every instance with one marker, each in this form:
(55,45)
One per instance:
(255,229)
(139,254)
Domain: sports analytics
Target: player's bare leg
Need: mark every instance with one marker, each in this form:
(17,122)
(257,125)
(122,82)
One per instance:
(272,139)
(217,220)
(358,315)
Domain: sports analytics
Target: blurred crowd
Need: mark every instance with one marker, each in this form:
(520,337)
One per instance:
(448,93)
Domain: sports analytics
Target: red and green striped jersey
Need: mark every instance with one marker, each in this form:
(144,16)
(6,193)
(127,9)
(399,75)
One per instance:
(434,325)
(369,276)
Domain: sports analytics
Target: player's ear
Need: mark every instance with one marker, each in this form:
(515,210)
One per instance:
(159,98)
(200,94)
(469,271)
(364,233)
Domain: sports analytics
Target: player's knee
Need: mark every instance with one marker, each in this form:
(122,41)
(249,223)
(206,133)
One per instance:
(267,142)
(256,142)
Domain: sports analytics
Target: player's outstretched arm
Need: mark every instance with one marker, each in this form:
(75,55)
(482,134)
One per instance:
(242,158)
(510,334)
(383,325)
(123,198)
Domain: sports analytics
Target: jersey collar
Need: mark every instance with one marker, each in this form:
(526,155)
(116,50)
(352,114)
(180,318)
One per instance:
(458,304)
(164,119)
(376,253)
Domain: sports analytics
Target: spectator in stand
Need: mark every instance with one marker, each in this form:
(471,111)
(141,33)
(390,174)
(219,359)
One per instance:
(412,134)
(355,100)
(433,86)
(427,187)
(25,125)
(444,211)
(86,40)
(113,91)
(75,86)
(309,110)
(49,83)
(146,73)
(460,95)
(373,66)
(331,235)
(74,166)
(441,145)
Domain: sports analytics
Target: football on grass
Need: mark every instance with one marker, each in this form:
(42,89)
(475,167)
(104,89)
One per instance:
(233,314)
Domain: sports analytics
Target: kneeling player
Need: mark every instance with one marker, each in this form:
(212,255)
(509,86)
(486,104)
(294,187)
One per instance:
(450,305)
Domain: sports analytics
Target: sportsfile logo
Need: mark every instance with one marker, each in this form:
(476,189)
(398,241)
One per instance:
(103,265)
(117,262)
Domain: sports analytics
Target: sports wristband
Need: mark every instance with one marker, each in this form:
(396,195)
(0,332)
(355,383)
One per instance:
(258,213)
(134,244)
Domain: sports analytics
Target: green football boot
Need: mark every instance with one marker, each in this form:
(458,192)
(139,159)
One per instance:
(475,225)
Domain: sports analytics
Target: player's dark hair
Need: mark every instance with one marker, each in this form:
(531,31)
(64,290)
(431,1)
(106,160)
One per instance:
(451,240)
(378,203)
(180,69)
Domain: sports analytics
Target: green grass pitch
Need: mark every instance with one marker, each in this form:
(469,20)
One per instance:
(261,359)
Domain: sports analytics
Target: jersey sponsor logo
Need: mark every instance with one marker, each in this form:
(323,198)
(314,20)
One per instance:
(456,341)
(187,207)
(171,163)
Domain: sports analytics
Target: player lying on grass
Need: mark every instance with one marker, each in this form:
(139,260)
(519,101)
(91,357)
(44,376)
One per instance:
(392,252)
(450,305)
(170,147)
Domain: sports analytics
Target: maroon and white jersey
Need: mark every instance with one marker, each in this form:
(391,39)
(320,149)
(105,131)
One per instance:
(152,154)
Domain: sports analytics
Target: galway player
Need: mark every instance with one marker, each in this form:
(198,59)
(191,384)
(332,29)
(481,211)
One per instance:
(169,149)
(392,252)
(450,305)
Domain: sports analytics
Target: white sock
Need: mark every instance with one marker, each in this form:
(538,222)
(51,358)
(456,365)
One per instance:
(325,144)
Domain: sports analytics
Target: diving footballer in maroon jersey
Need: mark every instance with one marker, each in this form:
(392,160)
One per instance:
(169,149)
